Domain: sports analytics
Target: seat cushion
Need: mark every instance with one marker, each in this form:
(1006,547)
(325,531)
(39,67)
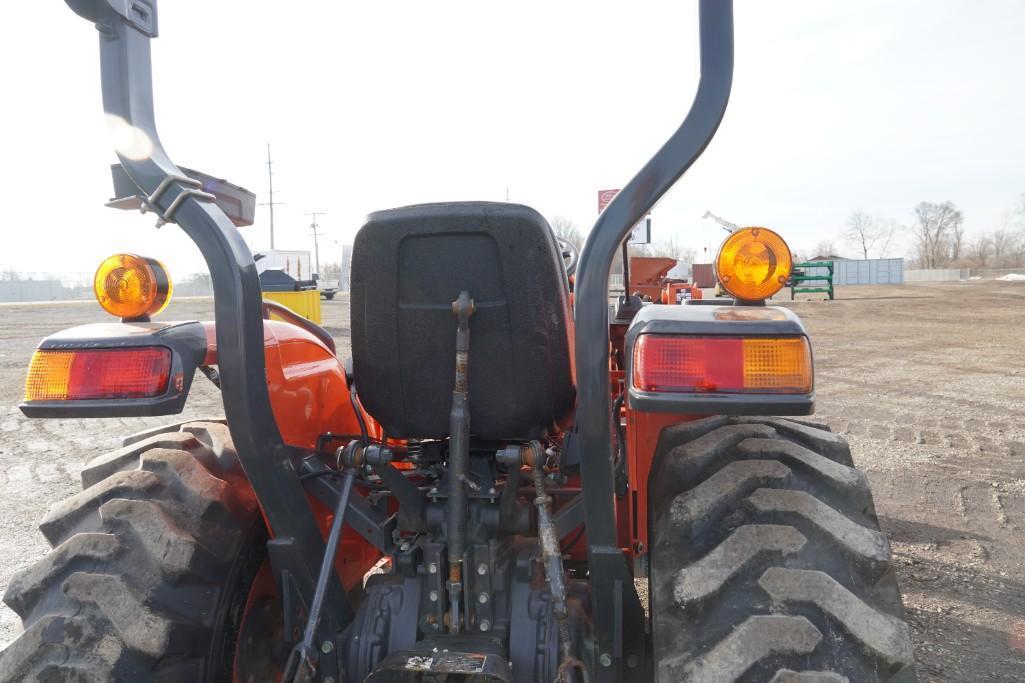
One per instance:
(408,266)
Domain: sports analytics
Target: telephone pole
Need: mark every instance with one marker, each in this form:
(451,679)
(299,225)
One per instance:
(270,192)
(313,227)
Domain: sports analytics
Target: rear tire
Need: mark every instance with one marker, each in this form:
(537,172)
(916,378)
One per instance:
(151,567)
(767,560)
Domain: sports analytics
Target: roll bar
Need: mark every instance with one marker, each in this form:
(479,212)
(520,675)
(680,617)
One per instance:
(607,564)
(126,27)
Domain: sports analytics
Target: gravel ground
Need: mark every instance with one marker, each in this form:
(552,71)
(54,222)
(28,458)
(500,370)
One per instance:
(926,380)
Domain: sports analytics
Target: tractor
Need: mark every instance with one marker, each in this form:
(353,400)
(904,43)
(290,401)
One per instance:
(508,483)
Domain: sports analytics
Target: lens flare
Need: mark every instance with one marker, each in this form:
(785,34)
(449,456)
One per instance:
(129,141)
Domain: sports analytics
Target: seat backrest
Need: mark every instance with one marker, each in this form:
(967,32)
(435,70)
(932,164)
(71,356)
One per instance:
(408,266)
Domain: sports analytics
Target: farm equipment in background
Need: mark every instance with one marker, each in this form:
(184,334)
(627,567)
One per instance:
(297,266)
(649,280)
(475,497)
(279,285)
(801,275)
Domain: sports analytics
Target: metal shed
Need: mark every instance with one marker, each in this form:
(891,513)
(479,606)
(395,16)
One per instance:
(884,271)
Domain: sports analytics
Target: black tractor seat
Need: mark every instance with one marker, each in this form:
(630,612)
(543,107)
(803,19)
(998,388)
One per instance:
(408,266)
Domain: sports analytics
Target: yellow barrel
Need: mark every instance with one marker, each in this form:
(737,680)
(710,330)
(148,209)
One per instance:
(306,304)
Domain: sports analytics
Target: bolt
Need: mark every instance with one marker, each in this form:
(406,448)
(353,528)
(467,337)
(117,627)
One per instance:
(631,661)
(482,569)
(327,647)
(485,625)
(434,596)
(606,660)
(432,568)
(492,491)
(482,598)
(329,679)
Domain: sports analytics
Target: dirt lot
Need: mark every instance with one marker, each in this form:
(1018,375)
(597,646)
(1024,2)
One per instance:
(927,381)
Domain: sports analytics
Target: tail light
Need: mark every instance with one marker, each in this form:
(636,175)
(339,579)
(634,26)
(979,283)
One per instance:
(722,365)
(92,374)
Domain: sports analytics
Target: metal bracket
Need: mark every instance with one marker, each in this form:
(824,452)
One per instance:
(146,204)
(140,14)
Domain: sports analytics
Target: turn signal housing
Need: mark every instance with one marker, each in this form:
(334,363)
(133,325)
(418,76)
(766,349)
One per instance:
(753,264)
(132,287)
(722,365)
(98,374)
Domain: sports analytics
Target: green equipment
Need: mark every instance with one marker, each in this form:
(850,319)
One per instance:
(800,275)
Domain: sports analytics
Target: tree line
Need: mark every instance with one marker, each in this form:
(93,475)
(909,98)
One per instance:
(937,238)
(936,235)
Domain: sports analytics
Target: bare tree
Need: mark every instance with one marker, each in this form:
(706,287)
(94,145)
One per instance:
(862,231)
(888,229)
(870,234)
(1005,248)
(566,229)
(980,249)
(956,240)
(938,233)
(825,248)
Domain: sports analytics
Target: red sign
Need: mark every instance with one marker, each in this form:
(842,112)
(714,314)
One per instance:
(605,197)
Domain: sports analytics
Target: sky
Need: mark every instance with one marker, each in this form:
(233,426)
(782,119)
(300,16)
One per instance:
(836,106)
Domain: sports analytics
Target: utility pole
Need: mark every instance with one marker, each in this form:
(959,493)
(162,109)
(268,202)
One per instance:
(270,191)
(316,247)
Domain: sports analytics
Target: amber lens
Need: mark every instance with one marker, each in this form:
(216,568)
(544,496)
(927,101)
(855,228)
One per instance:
(777,365)
(130,286)
(753,263)
(48,376)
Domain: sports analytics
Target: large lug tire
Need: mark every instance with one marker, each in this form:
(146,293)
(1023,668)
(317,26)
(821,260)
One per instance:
(150,567)
(767,560)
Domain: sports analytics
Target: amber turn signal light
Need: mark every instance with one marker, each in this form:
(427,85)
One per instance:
(141,372)
(132,287)
(723,365)
(753,263)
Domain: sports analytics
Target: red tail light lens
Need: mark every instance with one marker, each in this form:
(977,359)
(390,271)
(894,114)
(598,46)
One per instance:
(728,365)
(78,375)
